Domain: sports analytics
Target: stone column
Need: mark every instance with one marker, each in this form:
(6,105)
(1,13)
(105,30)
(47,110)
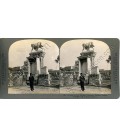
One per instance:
(92,61)
(38,66)
(28,69)
(34,68)
(42,64)
(88,65)
(80,70)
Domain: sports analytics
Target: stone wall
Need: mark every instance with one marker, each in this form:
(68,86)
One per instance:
(94,80)
(43,80)
(99,80)
(68,78)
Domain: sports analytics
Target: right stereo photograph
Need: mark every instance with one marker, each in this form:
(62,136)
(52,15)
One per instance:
(85,67)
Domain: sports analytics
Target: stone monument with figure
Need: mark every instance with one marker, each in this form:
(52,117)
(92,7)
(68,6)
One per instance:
(36,63)
(86,63)
(36,59)
(86,58)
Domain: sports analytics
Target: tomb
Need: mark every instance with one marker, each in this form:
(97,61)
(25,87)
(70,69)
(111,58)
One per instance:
(36,65)
(86,65)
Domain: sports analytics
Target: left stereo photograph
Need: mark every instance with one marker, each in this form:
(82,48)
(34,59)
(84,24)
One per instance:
(36,69)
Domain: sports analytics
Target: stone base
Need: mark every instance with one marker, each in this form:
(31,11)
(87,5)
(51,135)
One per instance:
(43,80)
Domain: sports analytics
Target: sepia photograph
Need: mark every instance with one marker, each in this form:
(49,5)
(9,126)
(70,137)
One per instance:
(33,67)
(85,67)
(81,66)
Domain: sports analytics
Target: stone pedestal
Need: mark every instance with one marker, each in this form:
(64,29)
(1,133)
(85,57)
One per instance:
(87,67)
(36,62)
(86,62)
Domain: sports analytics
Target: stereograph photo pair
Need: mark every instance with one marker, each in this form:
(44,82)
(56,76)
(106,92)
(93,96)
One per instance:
(59,68)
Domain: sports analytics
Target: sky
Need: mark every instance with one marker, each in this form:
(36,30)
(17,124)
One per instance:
(71,50)
(21,49)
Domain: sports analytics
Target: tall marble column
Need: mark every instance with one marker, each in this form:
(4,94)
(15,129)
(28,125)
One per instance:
(42,64)
(28,69)
(88,65)
(33,68)
(80,69)
(38,66)
(92,61)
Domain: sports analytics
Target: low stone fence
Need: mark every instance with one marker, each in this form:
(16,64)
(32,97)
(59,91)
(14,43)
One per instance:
(98,80)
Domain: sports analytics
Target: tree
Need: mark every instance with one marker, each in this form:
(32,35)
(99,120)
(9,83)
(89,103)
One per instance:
(58,59)
(109,59)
